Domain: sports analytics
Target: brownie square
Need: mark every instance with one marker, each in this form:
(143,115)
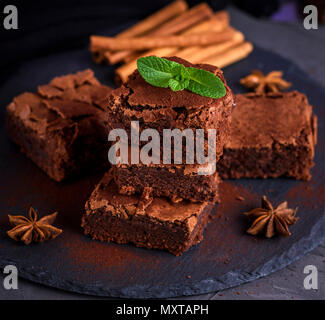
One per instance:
(151,223)
(176,182)
(161,108)
(272,135)
(61,127)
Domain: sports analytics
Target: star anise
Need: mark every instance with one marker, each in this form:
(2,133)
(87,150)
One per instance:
(260,83)
(29,229)
(269,220)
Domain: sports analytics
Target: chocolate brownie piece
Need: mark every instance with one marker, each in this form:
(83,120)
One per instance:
(272,135)
(176,182)
(61,127)
(151,223)
(162,108)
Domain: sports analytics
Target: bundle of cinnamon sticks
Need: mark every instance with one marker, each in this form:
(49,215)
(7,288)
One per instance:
(196,34)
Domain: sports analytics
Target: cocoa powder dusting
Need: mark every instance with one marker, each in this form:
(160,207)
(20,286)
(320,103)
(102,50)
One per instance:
(86,254)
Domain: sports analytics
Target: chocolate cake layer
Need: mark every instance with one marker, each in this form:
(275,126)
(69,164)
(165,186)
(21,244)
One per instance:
(61,127)
(176,182)
(272,135)
(151,223)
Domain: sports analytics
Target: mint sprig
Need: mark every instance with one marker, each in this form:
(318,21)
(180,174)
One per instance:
(161,72)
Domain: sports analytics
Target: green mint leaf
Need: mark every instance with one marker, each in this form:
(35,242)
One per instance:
(178,70)
(184,73)
(177,85)
(180,78)
(205,83)
(156,71)
(161,72)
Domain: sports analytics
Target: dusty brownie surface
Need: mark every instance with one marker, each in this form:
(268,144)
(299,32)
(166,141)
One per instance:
(161,108)
(61,126)
(144,94)
(271,135)
(146,222)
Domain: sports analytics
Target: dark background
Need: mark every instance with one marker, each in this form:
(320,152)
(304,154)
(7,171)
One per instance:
(52,26)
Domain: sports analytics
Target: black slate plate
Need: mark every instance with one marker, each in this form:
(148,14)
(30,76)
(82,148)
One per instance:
(226,257)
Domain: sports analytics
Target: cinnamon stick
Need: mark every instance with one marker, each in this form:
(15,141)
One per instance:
(122,73)
(143,43)
(222,16)
(177,24)
(218,22)
(165,14)
(221,55)
(231,55)
(198,54)
(184,21)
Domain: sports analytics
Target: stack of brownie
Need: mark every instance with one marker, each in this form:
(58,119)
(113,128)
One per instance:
(168,206)
(63,128)
(162,206)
